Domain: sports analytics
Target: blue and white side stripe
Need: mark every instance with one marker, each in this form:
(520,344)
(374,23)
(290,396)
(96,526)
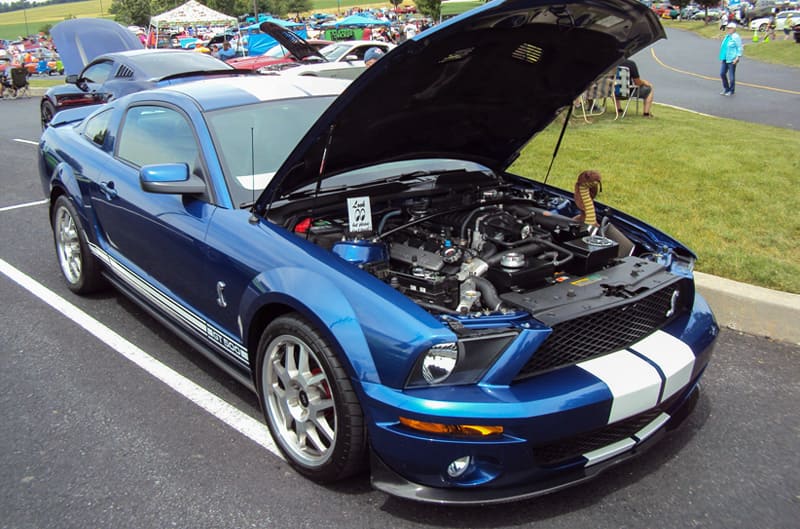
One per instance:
(187,319)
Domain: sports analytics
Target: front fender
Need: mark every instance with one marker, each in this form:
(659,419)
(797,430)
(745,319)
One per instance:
(311,294)
(378,334)
(64,177)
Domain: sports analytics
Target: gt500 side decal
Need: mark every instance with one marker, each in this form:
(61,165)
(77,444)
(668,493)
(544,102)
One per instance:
(653,370)
(188,319)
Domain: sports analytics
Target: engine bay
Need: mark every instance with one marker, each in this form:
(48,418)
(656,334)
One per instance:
(480,247)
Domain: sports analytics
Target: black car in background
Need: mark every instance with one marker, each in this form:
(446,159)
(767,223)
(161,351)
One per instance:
(104,60)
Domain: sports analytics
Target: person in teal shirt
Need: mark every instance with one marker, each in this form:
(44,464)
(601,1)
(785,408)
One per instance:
(729,53)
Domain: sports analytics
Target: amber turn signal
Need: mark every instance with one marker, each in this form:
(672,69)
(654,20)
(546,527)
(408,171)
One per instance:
(451,429)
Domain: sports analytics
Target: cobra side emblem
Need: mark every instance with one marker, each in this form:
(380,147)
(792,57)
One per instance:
(672,303)
(220,297)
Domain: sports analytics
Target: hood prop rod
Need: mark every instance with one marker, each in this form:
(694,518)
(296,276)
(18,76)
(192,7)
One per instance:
(321,170)
(558,143)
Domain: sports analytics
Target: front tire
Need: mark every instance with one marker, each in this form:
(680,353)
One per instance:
(308,402)
(79,267)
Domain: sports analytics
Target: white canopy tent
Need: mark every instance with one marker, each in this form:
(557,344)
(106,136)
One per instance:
(191,13)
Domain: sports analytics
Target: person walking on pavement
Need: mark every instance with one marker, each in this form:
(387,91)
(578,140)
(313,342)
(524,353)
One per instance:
(729,53)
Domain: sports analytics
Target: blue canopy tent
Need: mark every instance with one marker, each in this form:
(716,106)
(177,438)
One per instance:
(356,20)
(285,23)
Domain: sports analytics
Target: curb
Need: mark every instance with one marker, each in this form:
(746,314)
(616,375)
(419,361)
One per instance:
(750,309)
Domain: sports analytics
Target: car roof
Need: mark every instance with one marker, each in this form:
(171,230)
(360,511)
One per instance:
(219,93)
(156,63)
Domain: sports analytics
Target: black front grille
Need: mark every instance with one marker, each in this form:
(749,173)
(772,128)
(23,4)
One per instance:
(606,331)
(565,449)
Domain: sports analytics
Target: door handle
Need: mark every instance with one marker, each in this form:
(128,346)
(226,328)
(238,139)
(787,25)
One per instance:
(108,190)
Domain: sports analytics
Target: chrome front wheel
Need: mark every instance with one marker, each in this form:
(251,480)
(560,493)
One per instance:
(309,404)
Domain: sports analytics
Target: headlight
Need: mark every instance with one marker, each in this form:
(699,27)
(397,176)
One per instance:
(462,362)
(438,363)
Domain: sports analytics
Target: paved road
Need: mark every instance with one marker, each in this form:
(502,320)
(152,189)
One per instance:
(88,439)
(685,71)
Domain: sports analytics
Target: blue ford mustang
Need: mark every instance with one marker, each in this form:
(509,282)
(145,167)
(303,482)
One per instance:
(359,256)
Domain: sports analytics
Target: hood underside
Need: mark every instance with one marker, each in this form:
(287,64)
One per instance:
(477,87)
(294,44)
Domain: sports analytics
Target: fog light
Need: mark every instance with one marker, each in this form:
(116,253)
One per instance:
(458,466)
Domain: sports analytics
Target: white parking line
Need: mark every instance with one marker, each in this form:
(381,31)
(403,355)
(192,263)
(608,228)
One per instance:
(230,415)
(26,141)
(26,205)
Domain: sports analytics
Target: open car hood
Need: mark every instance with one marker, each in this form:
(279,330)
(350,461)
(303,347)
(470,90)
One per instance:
(80,40)
(477,87)
(294,44)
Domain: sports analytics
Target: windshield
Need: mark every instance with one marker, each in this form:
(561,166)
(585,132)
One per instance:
(252,141)
(386,171)
(334,51)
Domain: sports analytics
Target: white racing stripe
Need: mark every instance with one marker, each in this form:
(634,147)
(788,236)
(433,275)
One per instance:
(607,452)
(633,382)
(230,415)
(651,428)
(673,357)
(653,370)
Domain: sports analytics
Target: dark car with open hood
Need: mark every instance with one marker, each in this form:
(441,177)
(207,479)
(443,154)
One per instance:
(104,60)
(394,296)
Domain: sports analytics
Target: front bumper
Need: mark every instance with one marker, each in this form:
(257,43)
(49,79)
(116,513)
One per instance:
(389,481)
(559,428)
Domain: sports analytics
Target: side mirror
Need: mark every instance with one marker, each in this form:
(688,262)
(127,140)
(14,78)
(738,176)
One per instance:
(170,179)
(351,58)
(71,79)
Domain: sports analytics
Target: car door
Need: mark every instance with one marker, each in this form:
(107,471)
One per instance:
(155,238)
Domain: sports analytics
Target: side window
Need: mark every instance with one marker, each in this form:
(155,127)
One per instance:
(96,129)
(98,73)
(153,135)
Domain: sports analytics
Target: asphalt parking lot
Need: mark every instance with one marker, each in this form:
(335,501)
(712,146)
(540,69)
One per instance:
(91,439)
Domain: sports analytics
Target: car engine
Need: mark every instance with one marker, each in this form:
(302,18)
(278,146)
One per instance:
(490,249)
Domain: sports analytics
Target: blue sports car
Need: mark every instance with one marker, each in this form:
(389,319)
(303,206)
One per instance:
(360,257)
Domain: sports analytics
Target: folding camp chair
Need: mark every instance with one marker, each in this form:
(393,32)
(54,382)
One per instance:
(625,89)
(19,82)
(5,84)
(594,100)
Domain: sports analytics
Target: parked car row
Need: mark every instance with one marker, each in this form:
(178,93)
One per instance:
(761,24)
(131,68)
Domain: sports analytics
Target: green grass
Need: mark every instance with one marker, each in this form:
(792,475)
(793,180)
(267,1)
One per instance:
(734,202)
(778,51)
(44,82)
(13,24)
